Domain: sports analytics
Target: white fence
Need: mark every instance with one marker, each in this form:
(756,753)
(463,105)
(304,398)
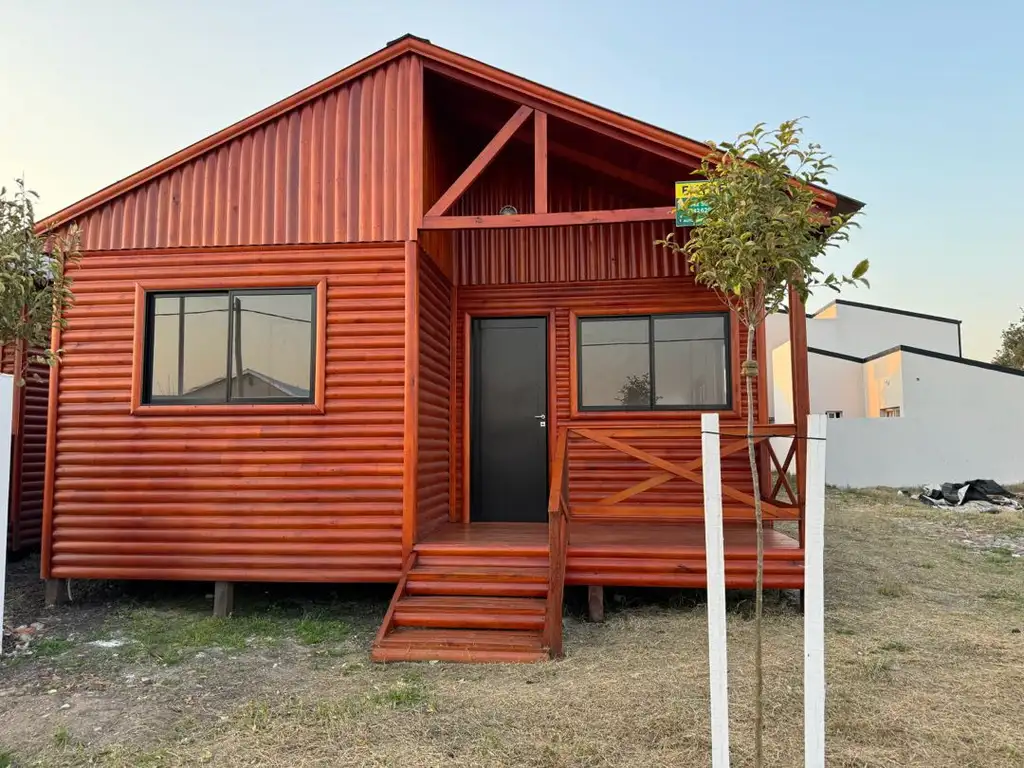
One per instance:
(6,411)
(814,592)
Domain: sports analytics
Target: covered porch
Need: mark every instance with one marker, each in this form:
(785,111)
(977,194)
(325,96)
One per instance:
(558,362)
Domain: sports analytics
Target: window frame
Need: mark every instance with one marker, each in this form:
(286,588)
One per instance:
(577,368)
(145,300)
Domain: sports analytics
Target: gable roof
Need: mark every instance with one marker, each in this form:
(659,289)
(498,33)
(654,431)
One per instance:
(671,145)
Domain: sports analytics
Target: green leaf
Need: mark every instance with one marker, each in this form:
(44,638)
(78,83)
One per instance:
(860,270)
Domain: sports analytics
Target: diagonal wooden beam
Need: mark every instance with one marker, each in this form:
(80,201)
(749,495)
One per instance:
(782,478)
(654,482)
(783,469)
(675,469)
(481,161)
(592,162)
(540,162)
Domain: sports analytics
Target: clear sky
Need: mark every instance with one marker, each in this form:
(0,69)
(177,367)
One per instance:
(921,103)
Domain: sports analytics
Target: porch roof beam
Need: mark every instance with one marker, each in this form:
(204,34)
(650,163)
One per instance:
(540,162)
(564,219)
(487,154)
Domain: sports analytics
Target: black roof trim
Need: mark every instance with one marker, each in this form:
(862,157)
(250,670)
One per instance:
(837,355)
(890,310)
(918,351)
(408,36)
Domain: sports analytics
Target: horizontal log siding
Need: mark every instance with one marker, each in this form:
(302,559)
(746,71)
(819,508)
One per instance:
(246,497)
(597,471)
(435,398)
(29,444)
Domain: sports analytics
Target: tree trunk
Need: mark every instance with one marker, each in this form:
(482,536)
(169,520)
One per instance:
(749,372)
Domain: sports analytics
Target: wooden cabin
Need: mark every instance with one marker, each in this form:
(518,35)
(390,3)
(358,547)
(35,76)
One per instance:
(408,325)
(28,446)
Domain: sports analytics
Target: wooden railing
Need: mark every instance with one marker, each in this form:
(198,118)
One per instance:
(780,501)
(558,544)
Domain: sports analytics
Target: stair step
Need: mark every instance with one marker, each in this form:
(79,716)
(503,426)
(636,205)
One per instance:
(470,612)
(481,561)
(492,605)
(468,588)
(464,639)
(479,573)
(460,655)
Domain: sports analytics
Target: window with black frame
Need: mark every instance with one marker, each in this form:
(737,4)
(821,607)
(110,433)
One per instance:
(653,362)
(217,347)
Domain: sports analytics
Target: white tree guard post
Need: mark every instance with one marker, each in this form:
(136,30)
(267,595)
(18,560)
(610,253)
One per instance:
(6,414)
(814,595)
(714,545)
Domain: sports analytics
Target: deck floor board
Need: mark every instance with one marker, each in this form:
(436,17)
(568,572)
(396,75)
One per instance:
(590,535)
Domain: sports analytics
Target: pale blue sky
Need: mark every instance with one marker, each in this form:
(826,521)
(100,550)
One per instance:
(922,103)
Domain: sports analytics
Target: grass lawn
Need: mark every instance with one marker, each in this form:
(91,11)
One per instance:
(925,612)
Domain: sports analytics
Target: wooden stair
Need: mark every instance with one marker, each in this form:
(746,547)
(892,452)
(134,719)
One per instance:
(454,603)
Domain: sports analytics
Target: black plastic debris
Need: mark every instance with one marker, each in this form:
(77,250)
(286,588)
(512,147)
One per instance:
(959,494)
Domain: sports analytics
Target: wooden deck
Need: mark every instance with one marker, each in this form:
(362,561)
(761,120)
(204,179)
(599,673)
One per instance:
(616,553)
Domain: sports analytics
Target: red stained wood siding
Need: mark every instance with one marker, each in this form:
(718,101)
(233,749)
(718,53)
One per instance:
(28,452)
(435,306)
(251,496)
(558,254)
(337,168)
(597,471)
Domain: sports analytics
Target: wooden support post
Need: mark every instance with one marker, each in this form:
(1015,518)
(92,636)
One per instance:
(540,162)
(55,592)
(801,393)
(410,453)
(595,603)
(223,599)
(714,544)
(814,596)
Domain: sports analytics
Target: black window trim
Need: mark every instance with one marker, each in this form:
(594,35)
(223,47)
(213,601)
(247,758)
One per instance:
(230,293)
(726,406)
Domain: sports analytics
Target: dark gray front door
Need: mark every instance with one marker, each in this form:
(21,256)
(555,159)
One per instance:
(509,436)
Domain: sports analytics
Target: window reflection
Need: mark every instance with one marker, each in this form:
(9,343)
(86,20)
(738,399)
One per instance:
(645,362)
(228,346)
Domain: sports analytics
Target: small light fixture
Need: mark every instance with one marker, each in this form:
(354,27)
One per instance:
(508,210)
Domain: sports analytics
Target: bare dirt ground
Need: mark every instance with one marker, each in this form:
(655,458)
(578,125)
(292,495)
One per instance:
(925,665)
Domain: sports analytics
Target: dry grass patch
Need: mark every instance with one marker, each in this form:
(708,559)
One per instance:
(925,668)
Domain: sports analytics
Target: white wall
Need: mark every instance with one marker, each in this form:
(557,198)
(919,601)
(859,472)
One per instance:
(776,333)
(780,386)
(862,332)
(959,422)
(836,385)
(858,332)
(883,384)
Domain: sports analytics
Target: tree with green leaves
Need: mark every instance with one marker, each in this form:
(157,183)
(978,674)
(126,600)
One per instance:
(1011,353)
(761,231)
(35,287)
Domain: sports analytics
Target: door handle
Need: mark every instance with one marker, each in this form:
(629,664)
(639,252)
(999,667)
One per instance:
(541,418)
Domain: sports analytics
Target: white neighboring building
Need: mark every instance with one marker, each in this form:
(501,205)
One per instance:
(906,407)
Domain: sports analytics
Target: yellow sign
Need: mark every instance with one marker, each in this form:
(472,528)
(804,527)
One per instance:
(689,212)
